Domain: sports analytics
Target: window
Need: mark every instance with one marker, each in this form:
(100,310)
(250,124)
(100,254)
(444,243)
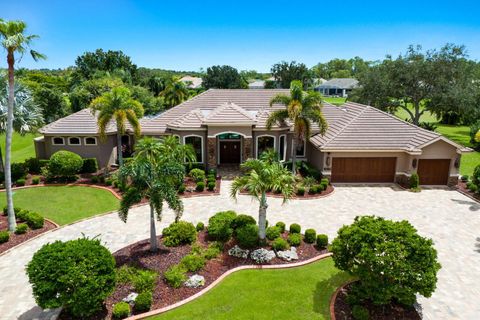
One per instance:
(301,148)
(197,143)
(282,148)
(74,141)
(264,143)
(58,141)
(229,136)
(90,141)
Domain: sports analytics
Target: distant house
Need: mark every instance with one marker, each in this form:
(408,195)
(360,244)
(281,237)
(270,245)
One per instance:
(339,87)
(257,84)
(192,82)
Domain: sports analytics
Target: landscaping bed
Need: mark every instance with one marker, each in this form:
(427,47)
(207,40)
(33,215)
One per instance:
(463,187)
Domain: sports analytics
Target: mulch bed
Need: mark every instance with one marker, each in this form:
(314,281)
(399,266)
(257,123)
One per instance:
(16,239)
(306,196)
(462,186)
(393,311)
(190,191)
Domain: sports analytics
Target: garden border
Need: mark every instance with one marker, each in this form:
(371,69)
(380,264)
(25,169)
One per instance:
(223,276)
(334,298)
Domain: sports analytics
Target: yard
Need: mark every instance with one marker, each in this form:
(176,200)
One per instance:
(22,146)
(64,204)
(296,293)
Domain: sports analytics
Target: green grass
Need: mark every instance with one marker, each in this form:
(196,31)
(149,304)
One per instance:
(335,100)
(64,204)
(425,117)
(22,146)
(297,293)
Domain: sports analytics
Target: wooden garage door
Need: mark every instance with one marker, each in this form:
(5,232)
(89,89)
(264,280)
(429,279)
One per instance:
(363,169)
(433,171)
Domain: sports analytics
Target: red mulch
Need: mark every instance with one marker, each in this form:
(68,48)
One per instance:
(16,239)
(190,191)
(394,311)
(324,193)
(462,186)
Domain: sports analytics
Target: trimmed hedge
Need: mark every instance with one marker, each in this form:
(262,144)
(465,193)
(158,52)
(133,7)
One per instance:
(211,186)
(281,225)
(242,220)
(33,165)
(34,220)
(247,236)
(220,225)
(200,186)
(18,171)
(4,236)
(21,228)
(310,235)
(90,165)
(300,191)
(35,180)
(295,228)
(20,182)
(65,164)
(322,241)
(197,174)
(178,233)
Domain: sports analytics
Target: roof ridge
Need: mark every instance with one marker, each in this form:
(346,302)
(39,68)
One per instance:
(226,105)
(51,124)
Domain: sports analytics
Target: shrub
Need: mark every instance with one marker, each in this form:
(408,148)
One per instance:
(281,225)
(472,187)
(90,165)
(175,276)
(34,220)
(64,164)
(318,188)
(94,179)
(32,165)
(300,191)
(4,236)
(312,189)
(324,183)
(200,227)
(181,189)
(360,312)
(20,182)
(414,181)
(212,172)
(476,176)
(295,239)
(386,277)
(83,262)
(43,164)
(144,280)
(211,177)
(108,182)
(197,175)
(310,235)
(35,180)
(179,233)
(200,186)
(16,210)
(22,215)
(121,310)
(220,225)
(242,220)
(273,232)
(18,171)
(21,228)
(295,228)
(211,186)
(247,236)
(143,302)
(464,178)
(279,244)
(322,241)
(193,262)
(212,251)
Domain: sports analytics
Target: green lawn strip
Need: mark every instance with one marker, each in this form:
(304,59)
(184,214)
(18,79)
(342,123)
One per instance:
(64,204)
(22,146)
(334,100)
(296,293)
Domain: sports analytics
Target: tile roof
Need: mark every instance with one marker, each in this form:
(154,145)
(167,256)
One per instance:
(81,122)
(230,113)
(340,83)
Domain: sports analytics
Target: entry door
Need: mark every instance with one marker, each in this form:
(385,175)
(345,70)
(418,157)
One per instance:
(230,151)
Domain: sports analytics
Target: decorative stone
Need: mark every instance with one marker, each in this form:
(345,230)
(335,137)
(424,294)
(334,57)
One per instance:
(131,297)
(238,252)
(262,255)
(195,281)
(288,255)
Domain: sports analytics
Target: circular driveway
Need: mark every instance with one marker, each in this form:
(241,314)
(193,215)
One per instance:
(451,219)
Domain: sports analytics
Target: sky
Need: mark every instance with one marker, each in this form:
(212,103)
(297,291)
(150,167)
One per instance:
(190,35)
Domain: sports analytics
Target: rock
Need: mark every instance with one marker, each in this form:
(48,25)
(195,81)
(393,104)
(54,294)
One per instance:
(288,255)
(262,255)
(131,297)
(195,281)
(238,252)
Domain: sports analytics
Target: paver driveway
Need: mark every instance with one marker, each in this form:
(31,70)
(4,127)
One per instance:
(450,218)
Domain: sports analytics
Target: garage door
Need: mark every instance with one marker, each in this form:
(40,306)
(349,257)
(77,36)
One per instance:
(433,171)
(363,169)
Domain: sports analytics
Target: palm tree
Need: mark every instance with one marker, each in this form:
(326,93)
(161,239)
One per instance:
(302,109)
(175,92)
(14,40)
(262,176)
(117,105)
(155,175)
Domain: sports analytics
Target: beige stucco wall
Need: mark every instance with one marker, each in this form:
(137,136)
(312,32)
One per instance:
(441,150)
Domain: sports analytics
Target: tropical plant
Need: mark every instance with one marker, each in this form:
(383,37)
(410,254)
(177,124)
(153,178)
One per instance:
(261,177)
(302,109)
(14,40)
(175,92)
(117,105)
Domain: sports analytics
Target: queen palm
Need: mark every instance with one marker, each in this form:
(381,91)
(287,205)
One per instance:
(302,109)
(119,106)
(262,176)
(14,40)
(175,92)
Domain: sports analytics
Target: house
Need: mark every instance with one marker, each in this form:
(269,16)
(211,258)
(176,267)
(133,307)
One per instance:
(362,143)
(340,87)
(192,82)
(257,84)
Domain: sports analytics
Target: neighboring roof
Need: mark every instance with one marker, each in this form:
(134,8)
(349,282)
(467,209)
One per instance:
(339,83)
(192,82)
(231,114)
(257,84)
(80,123)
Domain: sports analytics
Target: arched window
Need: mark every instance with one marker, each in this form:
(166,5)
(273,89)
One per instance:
(74,141)
(58,141)
(90,141)
(282,147)
(264,143)
(301,147)
(197,143)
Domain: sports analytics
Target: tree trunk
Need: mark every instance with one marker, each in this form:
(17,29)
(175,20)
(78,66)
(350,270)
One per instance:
(416,118)
(2,166)
(12,225)
(262,217)
(294,155)
(119,149)
(153,231)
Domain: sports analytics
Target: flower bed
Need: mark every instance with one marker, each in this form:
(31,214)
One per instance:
(462,187)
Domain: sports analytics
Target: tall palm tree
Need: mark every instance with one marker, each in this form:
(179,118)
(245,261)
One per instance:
(262,176)
(302,109)
(155,175)
(175,92)
(117,105)
(14,40)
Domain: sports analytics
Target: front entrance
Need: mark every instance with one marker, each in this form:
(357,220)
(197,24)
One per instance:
(230,151)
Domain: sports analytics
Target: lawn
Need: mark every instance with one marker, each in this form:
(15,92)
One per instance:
(296,293)
(22,146)
(335,100)
(64,204)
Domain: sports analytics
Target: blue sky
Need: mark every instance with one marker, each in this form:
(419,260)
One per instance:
(185,35)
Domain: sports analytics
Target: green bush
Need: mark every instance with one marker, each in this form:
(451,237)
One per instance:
(318,188)
(295,239)
(35,180)
(360,312)
(143,302)
(181,189)
(77,275)
(322,241)
(22,215)
(121,310)
(193,262)
(197,175)
(64,164)
(108,182)
(175,276)
(273,232)
(472,187)
(211,177)
(324,183)
(21,228)
(94,179)
(43,164)
(476,177)
(200,186)
(212,251)
(281,225)
(20,182)
(34,220)
(247,236)
(18,171)
(16,210)
(414,181)
(295,228)
(179,233)
(310,235)
(211,186)
(242,220)
(280,244)
(32,165)
(200,227)
(407,266)
(90,165)
(300,191)
(220,225)
(144,280)
(4,236)
(464,178)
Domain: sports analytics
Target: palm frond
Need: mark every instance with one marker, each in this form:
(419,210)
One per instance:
(280,99)
(276,117)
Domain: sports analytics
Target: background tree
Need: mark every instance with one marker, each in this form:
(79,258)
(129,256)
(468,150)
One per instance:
(52,102)
(302,109)
(156,84)
(83,93)
(14,40)
(119,106)
(175,92)
(285,72)
(223,77)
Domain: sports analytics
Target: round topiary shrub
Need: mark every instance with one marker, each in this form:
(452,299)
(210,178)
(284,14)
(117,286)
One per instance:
(220,225)
(21,228)
(77,275)
(211,186)
(281,225)
(273,232)
(242,220)
(407,265)
(310,235)
(414,181)
(197,175)
(36,180)
(295,239)
(247,236)
(143,302)
(179,233)
(4,236)
(295,228)
(20,182)
(200,227)
(322,241)
(121,310)
(64,164)
(280,244)
(200,186)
